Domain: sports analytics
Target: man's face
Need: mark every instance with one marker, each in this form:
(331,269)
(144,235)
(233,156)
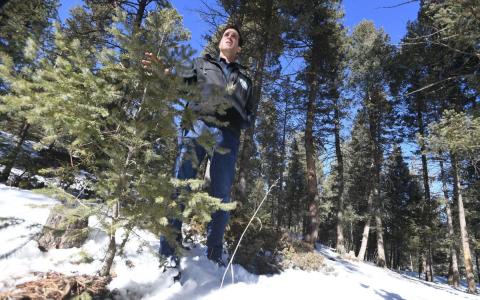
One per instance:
(229,42)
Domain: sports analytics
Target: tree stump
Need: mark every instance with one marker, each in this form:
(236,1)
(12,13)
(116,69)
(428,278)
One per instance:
(61,232)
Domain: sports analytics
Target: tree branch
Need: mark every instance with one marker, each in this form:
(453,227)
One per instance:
(398,5)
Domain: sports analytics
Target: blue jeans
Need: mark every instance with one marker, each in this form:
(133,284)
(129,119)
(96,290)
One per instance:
(222,171)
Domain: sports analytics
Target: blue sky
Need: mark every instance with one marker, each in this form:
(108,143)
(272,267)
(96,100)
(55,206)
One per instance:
(392,20)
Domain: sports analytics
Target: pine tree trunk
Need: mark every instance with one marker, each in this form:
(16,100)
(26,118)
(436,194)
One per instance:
(110,255)
(424,265)
(411,262)
(339,155)
(289,222)
(420,108)
(374,115)
(311,234)
(451,272)
(240,188)
(142,4)
(420,266)
(453,253)
(112,246)
(380,243)
(272,207)
(284,161)
(366,228)
(350,240)
(13,155)
(430,262)
(463,225)
(121,248)
(398,250)
(246,152)
(421,129)
(455,275)
(390,262)
(478,266)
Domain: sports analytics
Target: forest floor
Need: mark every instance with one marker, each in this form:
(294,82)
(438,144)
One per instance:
(136,275)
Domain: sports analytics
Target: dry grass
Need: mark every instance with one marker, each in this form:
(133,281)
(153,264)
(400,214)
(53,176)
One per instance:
(301,255)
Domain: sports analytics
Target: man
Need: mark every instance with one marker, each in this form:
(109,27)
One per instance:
(224,78)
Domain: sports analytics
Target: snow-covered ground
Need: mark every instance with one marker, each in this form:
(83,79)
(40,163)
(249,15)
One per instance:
(137,276)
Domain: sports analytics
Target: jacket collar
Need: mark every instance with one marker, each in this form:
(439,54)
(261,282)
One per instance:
(212,59)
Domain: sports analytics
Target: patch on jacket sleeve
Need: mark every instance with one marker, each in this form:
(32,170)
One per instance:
(243,83)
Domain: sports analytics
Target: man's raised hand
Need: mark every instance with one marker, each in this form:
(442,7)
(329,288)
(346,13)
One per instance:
(152,58)
(149,58)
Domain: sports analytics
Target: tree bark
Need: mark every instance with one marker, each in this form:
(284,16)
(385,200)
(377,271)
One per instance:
(380,244)
(426,189)
(421,131)
(110,255)
(339,155)
(284,161)
(246,152)
(13,155)
(423,261)
(430,261)
(311,233)
(463,225)
(420,266)
(366,228)
(478,266)
(142,5)
(390,262)
(454,277)
(121,248)
(374,116)
(112,245)
(411,262)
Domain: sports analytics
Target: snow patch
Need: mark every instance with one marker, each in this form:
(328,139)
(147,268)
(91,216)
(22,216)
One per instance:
(136,274)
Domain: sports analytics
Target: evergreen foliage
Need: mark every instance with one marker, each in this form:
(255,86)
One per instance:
(403,207)
(118,121)
(23,26)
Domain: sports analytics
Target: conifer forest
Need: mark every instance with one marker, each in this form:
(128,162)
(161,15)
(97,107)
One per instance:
(358,143)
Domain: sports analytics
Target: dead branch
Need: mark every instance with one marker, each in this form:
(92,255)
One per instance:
(55,285)
(398,5)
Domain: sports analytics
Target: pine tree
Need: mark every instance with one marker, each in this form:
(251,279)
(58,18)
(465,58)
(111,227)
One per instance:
(295,188)
(456,24)
(402,197)
(262,26)
(111,114)
(313,29)
(22,21)
(453,273)
(358,178)
(21,26)
(288,113)
(370,55)
(269,142)
(458,134)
